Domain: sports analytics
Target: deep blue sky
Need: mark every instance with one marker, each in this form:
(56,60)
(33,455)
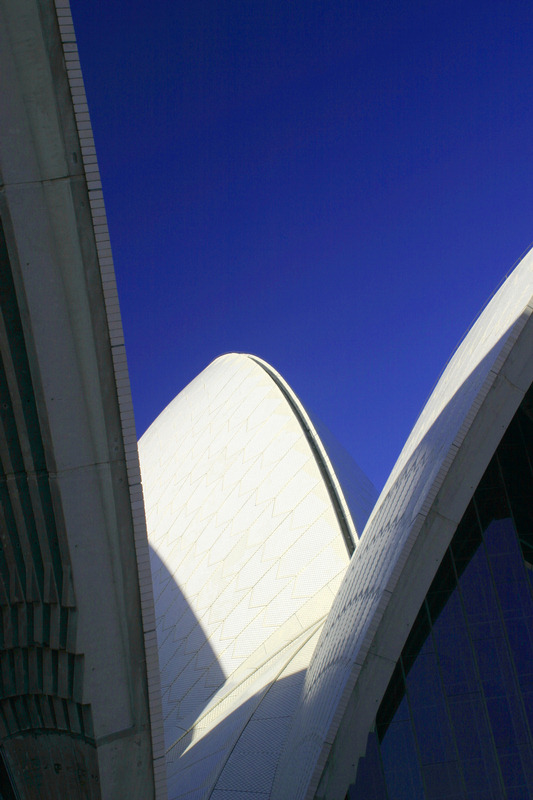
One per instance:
(337,187)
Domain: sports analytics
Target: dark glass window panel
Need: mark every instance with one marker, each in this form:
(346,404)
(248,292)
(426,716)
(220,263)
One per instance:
(504,702)
(490,497)
(466,540)
(511,583)
(520,726)
(512,772)
(524,749)
(370,782)
(527,699)
(428,708)
(502,725)
(443,781)
(480,782)
(520,636)
(493,668)
(400,763)
(479,600)
(393,700)
(441,588)
(416,639)
(473,737)
(402,711)
(515,462)
(500,538)
(433,733)
(456,662)
(516,470)
(479,785)
(527,551)
(516,793)
(423,682)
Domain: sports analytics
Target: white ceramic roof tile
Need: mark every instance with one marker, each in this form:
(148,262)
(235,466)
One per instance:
(397,520)
(252,761)
(232,485)
(311,539)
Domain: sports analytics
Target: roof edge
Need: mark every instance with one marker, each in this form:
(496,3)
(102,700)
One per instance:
(333,486)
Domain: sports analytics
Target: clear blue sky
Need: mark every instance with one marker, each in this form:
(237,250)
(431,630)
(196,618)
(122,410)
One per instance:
(337,187)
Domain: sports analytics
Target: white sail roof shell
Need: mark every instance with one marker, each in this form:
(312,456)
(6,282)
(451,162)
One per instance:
(248,552)
(405,539)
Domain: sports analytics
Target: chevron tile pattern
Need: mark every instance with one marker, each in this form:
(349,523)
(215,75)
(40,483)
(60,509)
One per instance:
(247,555)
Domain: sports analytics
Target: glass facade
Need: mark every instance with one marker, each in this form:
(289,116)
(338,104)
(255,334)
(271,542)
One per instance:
(456,720)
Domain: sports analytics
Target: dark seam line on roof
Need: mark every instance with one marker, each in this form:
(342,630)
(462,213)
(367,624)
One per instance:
(324,471)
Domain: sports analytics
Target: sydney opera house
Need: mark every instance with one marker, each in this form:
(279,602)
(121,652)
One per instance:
(250,621)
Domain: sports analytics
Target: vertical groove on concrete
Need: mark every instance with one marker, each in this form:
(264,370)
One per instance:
(122,383)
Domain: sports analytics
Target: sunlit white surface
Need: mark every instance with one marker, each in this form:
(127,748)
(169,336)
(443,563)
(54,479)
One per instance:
(248,553)
(417,512)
